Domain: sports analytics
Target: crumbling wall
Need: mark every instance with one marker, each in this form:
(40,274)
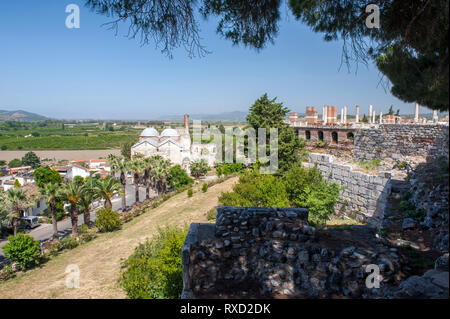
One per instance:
(362,196)
(273,252)
(398,141)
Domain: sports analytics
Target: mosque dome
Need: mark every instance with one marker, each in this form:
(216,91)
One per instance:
(169,132)
(149,132)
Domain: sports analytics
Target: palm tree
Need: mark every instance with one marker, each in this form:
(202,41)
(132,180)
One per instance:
(3,209)
(71,193)
(51,193)
(199,168)
(88,195)
(137,169)
(149,163)
(105,188)
(120,165)
(159,175)
(17,198)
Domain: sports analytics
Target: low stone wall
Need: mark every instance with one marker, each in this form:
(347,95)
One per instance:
(398,141)
(273,252)
(362,196)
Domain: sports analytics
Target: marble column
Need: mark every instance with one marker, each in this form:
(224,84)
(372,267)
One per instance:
(381,118)
(373,117)
(435,116)
(370,113)
(345,115)
(324,115)
(357,114)
(416,113)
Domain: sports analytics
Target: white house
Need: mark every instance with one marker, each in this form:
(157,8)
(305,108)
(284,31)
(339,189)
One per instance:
(76,170)
(97,163)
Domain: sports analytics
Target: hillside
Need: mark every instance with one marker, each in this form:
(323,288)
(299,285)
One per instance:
(100,260)
(21,116)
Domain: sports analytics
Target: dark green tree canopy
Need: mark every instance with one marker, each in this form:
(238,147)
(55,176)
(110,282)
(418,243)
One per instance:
(30,159)
(45,175)
(266,113)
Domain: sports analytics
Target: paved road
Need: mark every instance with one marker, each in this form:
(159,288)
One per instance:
(45,231)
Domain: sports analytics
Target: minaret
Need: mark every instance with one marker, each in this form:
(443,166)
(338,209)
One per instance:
(186,123)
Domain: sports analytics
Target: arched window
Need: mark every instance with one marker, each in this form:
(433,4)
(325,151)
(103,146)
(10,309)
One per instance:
(350,136)
(308,135)
(320,135)
(334,137)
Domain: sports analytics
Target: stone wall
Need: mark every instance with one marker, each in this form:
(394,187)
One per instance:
(397,141)
(273,252)
(362,196)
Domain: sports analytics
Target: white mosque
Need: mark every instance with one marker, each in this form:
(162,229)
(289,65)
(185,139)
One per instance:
(174,145)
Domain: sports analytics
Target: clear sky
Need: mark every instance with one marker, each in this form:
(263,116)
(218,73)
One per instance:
(91,73)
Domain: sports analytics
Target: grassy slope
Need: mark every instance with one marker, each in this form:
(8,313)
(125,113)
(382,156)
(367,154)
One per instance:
(99,260)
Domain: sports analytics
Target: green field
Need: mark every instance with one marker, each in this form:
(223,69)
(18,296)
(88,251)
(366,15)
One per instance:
(52,136)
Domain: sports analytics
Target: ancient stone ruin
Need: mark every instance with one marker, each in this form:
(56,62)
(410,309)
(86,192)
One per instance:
(274,253)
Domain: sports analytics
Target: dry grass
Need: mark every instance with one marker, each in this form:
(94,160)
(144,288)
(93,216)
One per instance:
(99,261)
(341,222)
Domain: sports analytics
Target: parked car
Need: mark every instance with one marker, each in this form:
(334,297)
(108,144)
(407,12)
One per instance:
(30,222)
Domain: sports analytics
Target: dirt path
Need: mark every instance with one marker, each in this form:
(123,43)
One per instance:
(99,260)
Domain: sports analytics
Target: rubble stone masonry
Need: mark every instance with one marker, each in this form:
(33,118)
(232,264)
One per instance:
(362,196)
(398,141)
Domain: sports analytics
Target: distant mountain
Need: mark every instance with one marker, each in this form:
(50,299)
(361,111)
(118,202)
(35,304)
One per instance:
(20,116)
(235,116)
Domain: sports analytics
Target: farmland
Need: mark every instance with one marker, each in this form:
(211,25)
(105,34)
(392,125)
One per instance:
(63,136)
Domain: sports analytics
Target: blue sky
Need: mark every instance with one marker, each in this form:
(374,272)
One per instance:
(91,73)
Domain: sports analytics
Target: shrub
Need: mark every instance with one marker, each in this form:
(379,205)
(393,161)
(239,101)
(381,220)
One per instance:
(204,187)
(211,214)
(306,188)
(154,270)
(107,220)
(370,165)
(69,243)
(23,249)
(178,177)
(6,273)
(402,165)
(255,189)
(227,169)
(190,192)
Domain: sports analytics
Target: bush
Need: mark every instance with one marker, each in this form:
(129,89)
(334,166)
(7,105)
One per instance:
(107,220)
(190,192)
(6,273)
(211,214)
(370,165)
(227,169)
(255,189)
(23,249)
(178,177)
(306,188)
(154,270)
(204,187)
